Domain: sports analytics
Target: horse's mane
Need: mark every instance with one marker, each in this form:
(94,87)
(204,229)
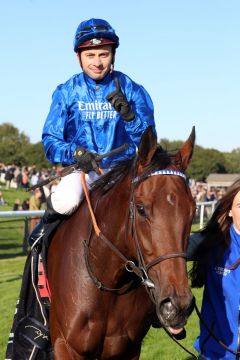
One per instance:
(161,159)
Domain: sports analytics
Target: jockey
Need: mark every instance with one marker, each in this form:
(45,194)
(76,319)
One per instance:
(92,113)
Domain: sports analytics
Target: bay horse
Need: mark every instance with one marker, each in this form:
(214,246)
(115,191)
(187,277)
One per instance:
(107,287)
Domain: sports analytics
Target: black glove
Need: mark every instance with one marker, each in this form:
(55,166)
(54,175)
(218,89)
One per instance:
(86,160)
(118,100)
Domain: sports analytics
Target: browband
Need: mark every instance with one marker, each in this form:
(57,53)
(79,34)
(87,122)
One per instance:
(162,172)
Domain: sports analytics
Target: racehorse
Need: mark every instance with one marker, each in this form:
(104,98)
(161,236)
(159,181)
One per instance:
(106,287)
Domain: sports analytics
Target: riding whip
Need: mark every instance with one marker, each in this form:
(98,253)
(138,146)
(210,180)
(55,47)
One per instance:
(69,169)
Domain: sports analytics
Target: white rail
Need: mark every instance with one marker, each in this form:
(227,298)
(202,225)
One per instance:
(201,206)
(25,215)
(22,213)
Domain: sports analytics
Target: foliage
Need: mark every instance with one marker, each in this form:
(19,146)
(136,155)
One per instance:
(15,148)
(233,161)
(37,156)
(12,144)
(206,161)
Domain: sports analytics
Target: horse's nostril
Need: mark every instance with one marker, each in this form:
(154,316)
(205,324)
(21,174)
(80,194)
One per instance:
(167,309)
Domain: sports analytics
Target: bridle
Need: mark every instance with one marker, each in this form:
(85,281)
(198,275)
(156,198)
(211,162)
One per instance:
(140,269)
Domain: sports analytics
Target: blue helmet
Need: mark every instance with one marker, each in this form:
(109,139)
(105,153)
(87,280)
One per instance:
(95,32)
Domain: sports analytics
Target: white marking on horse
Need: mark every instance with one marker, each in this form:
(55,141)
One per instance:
(170,199)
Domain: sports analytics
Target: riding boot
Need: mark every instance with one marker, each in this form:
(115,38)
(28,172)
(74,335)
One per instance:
(49,217)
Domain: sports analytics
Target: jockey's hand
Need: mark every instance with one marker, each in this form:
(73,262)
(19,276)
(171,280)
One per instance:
(86,160)
(119,102)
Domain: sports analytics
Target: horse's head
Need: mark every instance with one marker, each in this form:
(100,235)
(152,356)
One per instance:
(164,208)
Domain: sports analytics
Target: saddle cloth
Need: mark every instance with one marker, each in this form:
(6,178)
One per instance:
(29,336)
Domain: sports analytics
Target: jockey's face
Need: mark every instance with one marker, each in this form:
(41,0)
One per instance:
(96,62)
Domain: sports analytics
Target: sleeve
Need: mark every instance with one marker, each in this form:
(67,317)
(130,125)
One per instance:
(143,109)
(57,149)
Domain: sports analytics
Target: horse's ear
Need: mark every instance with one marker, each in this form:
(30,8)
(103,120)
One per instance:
(147,146)
(186,150)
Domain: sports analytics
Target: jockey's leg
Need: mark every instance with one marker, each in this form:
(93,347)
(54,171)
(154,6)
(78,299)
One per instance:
(49,216)
(62,202)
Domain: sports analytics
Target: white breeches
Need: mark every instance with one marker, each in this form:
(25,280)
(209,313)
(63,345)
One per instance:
(69,193)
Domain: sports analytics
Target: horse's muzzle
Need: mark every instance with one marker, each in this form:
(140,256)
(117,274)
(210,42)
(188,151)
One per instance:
(172,313)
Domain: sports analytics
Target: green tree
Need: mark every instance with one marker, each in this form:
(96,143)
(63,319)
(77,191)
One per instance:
(233,161)
(12,145)
(170,145)
(37,156)
(15,148)
(206,161)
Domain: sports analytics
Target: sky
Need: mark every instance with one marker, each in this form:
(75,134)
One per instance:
(184,52)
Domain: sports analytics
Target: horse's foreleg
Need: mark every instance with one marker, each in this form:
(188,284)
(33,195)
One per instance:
(135,355)
(62,351)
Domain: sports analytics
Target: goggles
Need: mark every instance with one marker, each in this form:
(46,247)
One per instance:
(93,29)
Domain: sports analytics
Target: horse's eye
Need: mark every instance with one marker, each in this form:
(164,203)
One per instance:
(141,210)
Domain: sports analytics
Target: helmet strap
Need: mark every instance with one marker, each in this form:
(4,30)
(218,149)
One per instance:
(79,58)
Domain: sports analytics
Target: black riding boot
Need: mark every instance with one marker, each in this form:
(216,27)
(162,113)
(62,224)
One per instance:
(49,217)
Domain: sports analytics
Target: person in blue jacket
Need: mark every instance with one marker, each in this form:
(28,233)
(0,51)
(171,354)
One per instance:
(92,113)
(216,266)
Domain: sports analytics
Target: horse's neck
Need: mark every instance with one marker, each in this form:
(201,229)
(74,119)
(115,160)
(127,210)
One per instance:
(111,211)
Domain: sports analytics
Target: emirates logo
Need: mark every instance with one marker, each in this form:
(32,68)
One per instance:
(96,41)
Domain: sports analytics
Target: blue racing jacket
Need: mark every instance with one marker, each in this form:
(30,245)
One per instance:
(80,115)
(220,306)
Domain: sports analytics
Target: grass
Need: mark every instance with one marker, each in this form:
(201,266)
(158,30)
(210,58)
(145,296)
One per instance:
(10,195)
(156,345)
(10,281)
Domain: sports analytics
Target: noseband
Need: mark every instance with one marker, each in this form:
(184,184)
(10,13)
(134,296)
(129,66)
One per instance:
(140,269)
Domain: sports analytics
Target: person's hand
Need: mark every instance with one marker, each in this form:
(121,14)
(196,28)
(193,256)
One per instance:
(119,102)
(86,160)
